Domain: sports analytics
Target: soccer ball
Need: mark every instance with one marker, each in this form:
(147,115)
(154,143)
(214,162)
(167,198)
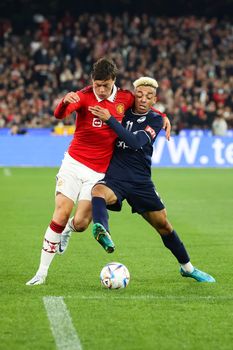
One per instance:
(114,276)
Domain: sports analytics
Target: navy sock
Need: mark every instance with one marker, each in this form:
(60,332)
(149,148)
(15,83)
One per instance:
(174,244)
(99,212)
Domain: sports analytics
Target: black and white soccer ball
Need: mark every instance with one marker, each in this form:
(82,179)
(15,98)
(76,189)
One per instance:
(114,276)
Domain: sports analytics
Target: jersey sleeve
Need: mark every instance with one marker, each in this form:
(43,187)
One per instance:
(64,110)
(133,140)
(153,127)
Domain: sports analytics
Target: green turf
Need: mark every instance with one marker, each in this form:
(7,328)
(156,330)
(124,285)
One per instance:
(159,309)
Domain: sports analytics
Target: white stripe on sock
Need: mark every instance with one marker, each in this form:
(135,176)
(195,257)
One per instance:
(187,267)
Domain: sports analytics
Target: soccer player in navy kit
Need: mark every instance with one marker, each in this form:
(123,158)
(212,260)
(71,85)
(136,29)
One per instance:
(129,176)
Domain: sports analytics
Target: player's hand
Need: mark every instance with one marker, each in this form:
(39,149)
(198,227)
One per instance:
(102,113)
(71,97)
(167,127)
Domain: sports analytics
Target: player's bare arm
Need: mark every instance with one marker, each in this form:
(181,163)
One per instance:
(101,113)
(71,97)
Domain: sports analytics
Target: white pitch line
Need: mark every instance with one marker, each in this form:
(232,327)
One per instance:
(61,324)
(152,297)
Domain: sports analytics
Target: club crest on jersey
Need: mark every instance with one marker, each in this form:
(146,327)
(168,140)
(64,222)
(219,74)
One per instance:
(120,108)
(150,131)
(141,119)
(97,123)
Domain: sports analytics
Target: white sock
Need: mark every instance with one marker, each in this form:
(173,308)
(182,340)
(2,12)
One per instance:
(70,224)
(51,241)
(69,228)
(187,267)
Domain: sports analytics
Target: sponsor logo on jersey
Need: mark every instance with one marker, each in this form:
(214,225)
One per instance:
(121,144)
(120,108)
(97,123)
(150,131)
(141,120)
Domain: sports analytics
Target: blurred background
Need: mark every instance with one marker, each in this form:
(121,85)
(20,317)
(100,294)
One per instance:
(47,48)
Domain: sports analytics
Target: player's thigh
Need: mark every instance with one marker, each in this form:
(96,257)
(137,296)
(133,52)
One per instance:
(142,198)
(103,191)
(158,219)
(69,181)
(90,178)
(63,209)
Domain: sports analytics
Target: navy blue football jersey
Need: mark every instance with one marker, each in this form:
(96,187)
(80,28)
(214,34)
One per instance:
(131,159)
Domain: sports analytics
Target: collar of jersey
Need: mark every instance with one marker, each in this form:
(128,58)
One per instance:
(111,98)
(141,115)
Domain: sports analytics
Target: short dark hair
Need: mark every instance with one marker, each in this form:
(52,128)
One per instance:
(104,69)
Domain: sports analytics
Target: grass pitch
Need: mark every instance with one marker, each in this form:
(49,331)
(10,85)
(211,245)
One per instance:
(159,309)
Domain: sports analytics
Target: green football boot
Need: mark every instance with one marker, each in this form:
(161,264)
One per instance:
(198,275)
(103,237)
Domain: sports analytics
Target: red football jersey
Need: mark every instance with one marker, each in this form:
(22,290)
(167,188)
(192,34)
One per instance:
(93,141)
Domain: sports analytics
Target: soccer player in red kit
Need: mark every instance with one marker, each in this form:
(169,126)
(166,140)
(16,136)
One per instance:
(94,141)
(87,158)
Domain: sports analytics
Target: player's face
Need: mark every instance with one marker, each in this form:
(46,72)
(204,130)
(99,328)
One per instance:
(103,88)
(144,99)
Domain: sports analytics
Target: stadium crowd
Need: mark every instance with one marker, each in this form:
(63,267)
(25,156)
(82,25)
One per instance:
(192,59)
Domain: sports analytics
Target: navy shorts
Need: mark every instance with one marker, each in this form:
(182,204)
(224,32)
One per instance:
(142,197)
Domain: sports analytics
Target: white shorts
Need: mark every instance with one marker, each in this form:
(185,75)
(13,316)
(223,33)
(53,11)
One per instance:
(76,180)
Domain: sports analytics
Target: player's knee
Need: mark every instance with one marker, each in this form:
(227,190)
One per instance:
(81,225)
(63,208)
(163,226)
